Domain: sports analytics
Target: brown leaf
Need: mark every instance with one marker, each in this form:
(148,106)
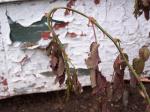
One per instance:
(93,59)
(101,84)
(76,84)
(93,78)
(119,64)
(118,81)
(146,12)
(57,61)
(60,79)
(54,62)
(61,67)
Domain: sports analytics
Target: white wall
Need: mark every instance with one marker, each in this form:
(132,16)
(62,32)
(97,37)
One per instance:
(114,15)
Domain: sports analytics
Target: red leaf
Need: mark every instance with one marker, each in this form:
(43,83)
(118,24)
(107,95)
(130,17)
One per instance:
(57,26)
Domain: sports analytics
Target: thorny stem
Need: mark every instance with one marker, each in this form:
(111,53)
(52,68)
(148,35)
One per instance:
(108,35)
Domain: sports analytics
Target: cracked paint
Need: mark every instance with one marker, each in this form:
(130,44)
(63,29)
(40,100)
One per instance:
(27,70)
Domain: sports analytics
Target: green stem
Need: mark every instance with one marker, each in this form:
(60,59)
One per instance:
(109,36)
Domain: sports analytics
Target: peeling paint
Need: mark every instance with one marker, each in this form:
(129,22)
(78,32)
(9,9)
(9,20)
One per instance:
(26,68)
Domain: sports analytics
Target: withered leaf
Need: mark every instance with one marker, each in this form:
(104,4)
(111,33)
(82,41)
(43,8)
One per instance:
(53,62)
(93,59)
(119,63)
(146,12)
(57,61)
(93,78)
(138,65)
(61,66)
(101,84)
(118,82)
(76,84)
(60,79)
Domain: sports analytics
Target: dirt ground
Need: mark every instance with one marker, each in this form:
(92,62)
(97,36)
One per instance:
(55,102)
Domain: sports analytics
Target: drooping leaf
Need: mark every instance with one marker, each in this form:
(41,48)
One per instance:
(93,59)
(93,78)
(119,64)
(57,61)
(118,79)
(76,84)
(142,6)
(138,65)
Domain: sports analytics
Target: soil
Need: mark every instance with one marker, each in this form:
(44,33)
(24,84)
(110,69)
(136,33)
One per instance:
(55,102)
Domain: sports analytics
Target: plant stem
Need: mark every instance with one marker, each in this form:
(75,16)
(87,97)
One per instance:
(49,20)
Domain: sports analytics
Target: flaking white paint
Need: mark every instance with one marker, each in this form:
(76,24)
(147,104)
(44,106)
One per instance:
(26,77)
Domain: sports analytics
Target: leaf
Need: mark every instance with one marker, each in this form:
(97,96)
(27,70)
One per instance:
(144,53)
(138,65)
(101,84)
(61,67)
(146,12)
(54,62)
(60,79)
(76,84)
(93,60)
(119,64)
(57,61)
(93,78)
(118,82)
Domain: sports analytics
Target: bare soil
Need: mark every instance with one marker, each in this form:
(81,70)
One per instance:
(55,102)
